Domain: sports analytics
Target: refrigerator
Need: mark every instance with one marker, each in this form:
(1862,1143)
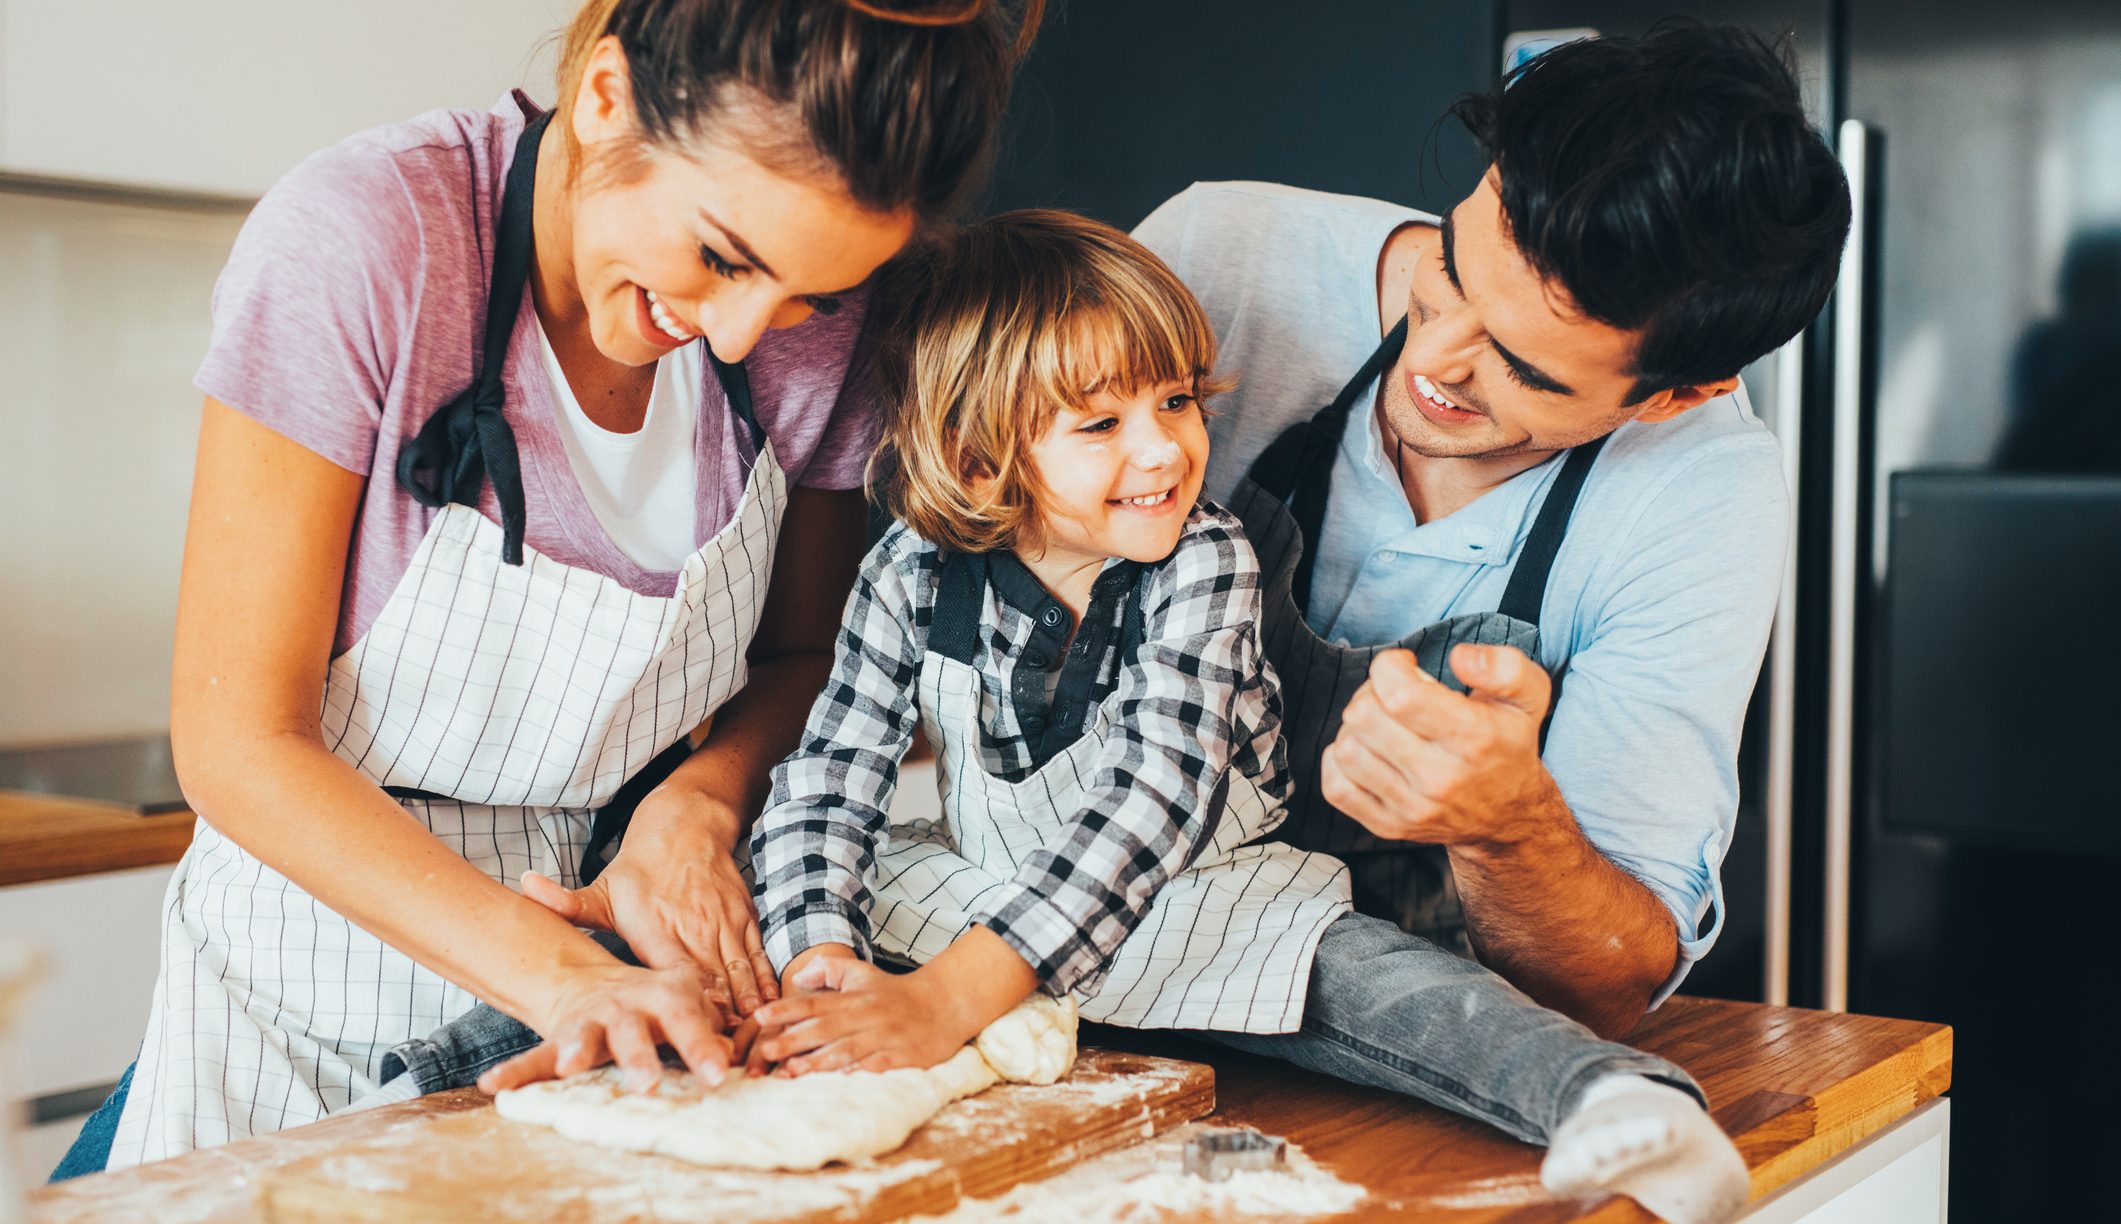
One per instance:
(1931,823)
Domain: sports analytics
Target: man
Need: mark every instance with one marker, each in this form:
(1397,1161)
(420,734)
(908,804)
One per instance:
(1656,215)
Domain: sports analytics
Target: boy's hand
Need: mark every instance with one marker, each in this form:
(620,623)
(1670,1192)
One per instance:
(804,958)
(844,1013)
(840,1012)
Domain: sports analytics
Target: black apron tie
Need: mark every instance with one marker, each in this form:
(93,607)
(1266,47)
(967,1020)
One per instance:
(469,440)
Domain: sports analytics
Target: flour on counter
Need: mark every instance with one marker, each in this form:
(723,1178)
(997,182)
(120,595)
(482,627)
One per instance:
(1145,1183)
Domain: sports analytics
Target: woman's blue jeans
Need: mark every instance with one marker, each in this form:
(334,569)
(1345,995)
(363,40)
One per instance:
(91,1150)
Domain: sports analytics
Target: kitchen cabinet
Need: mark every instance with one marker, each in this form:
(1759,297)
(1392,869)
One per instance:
(101,939)
(221,97)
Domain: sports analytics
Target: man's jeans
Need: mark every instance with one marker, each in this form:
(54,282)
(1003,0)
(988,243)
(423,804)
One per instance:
(1385,1008)
(1396,1011)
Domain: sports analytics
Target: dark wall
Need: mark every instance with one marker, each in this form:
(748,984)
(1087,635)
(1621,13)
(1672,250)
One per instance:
(1125,102)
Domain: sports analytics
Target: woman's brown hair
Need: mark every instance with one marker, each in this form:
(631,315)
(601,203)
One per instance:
(899,99)
(983,336)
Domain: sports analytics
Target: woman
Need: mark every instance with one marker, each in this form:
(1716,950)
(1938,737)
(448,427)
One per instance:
(468,486)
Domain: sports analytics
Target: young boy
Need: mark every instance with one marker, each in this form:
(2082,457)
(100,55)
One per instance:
(1075,632)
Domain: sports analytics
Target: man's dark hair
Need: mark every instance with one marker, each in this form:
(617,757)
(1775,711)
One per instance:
(1672,184)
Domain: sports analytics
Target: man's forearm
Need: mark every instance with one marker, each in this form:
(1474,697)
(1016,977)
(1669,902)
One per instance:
(1563,923)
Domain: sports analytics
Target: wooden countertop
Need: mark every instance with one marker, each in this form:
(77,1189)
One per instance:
(48,838)
(1794,1088)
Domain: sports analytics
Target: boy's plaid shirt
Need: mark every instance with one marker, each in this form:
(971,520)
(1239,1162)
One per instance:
(1196,699)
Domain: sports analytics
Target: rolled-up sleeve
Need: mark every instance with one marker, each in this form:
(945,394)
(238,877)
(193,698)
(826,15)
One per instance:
(813,851)
(1674,648)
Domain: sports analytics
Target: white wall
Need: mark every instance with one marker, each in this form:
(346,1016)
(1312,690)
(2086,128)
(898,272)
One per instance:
(103,302)
(225,95)
(103,318)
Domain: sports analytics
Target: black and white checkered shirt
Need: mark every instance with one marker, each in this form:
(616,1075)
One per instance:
(1196,697)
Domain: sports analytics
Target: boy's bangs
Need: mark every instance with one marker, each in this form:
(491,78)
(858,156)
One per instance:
(1139,341)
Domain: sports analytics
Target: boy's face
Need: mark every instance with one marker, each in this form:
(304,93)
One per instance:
(1122,474)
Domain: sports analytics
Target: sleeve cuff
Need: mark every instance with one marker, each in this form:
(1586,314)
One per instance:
(1690,910)
(1049,940)
(797,930)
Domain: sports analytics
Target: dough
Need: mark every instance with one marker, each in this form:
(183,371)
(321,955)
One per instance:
(1034,1043)
(802,1123)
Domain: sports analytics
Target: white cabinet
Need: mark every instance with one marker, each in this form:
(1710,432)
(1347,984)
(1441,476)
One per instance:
(223,96)
(101,936)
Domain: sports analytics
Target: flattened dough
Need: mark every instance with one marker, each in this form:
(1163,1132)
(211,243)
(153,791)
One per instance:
(800,1123)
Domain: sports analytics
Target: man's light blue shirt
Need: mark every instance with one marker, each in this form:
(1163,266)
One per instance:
(1658,606)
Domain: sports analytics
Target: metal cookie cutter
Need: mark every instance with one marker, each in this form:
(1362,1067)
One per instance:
(1214,1155)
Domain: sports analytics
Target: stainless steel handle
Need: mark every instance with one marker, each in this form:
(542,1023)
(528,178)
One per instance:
(1847,485)
(1782,687)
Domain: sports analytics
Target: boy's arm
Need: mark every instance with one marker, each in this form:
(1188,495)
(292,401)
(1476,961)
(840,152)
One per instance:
(813,851)
(1191,702)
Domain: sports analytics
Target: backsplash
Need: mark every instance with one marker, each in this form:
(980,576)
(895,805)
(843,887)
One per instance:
(103,319)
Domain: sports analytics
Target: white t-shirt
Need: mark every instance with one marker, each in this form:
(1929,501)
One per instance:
(640,484)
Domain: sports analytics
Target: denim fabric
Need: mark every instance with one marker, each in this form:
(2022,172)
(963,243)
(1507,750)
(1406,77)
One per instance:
(1393,1010)
(458,1053)
(91,1150)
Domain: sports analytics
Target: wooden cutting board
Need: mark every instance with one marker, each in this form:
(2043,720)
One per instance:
(473,1165)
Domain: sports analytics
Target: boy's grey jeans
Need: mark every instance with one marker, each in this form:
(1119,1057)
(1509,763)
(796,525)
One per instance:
(1385,1008)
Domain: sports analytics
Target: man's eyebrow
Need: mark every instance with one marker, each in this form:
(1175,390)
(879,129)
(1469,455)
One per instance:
(1533,375)
(743,249)
(1539,379)
(1450,256)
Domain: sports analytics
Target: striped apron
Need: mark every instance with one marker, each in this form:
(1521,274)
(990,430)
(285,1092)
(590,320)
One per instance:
(1282,503)
(502,704)
(1227,942)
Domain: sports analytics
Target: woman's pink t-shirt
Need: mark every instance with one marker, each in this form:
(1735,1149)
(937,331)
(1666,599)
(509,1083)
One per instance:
(351,310)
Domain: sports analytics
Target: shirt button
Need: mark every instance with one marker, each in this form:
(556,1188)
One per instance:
(1034,723)
(1050,617)
(1034,659)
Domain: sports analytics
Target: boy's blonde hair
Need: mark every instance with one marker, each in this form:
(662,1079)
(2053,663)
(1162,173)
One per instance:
(983,336)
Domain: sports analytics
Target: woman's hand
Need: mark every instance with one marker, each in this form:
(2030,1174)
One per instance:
(620,1014)
(674,894)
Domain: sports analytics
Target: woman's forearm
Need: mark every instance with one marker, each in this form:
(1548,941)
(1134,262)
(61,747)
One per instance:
(316,820)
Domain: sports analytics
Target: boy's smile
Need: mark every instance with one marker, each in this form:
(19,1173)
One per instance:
(1121,475)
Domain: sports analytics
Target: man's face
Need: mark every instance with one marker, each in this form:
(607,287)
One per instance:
(1498,360)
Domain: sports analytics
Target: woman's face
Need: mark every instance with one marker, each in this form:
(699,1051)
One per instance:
(705,240)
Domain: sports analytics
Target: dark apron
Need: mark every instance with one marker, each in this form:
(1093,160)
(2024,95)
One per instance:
(1282,502)
(468,441)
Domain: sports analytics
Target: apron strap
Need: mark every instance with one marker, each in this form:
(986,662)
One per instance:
(1527,588)
(736,385)
(1131,632)
(1298,467)
(469,440)
(960,582)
